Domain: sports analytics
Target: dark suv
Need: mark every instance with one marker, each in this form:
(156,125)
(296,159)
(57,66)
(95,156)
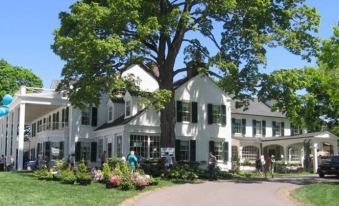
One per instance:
(329,166)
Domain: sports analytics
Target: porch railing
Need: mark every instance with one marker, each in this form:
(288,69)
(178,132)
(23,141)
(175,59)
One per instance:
(52,126)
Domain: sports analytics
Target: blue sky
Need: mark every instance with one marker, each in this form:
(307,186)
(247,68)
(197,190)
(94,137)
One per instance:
(26,33)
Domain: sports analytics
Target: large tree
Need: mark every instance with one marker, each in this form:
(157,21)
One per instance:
(309,96)
(229,38)
(12,77)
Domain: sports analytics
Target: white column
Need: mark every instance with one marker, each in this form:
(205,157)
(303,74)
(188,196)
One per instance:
(9,137)
(315,157)
(286,155)
(15,133)
(335,147)
(21,135)
(240,154)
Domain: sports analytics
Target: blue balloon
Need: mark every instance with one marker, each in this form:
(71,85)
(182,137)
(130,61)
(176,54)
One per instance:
(3,111)
(7,99)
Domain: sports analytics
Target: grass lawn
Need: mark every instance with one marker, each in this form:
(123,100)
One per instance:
(320,194)
(24,189)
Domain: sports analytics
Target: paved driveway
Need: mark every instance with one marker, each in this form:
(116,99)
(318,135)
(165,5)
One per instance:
(273,192)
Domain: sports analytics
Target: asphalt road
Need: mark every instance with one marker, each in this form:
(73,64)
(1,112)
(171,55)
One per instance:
(273,192)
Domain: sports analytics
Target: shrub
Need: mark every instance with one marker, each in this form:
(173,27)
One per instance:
(182,173)
(153,181)
(106,172)
(152,167)
(140,181)
(82,176)
(115,181)
(126,185)
(67,176)
(113,162)
(43,174)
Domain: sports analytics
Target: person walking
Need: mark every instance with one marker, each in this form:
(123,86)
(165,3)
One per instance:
(212,160)
(258,166)
(132,161)
(268,166)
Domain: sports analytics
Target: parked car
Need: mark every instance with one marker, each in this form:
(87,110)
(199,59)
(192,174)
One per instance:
(329,166)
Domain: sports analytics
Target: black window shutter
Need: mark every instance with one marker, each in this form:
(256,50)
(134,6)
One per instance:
(94,116)
(47,150)
(209,114)
(243,125)
(194,112)
(177,150)
(192,150)
(273,128)
(264,128)
(93,151)
(61,152)
(233,125)
(179,110)
(282,128)
(223,115)
(225,151)
(109,148)
(211,146)
(292,130)
(254,127)
(77,151)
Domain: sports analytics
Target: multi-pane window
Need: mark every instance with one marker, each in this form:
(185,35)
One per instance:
(295,154)
(85,151)
(258,127)
(145,146)
(237,128)
(128,108)
(250,153)
(154,146)
(139,144)
(184,149)
(119,145)
(33,129)
(278,128)
(186,111)
(218,152)
(86,116)
(110,113)
(216,114)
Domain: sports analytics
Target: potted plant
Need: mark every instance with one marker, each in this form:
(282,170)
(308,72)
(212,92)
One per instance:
(83,177)
(67,176)
(113,182)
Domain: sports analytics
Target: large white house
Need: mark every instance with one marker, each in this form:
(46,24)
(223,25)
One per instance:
(207,120)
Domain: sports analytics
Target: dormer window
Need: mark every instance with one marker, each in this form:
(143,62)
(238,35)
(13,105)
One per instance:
(128,108)
(110,113)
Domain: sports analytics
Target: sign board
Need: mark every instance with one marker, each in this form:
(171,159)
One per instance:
(55,151)
(170,150)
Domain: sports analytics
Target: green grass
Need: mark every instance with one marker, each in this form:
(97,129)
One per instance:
(320,194)
(23,189)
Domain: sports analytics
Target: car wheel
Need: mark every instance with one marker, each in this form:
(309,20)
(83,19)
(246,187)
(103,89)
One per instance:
(321,175)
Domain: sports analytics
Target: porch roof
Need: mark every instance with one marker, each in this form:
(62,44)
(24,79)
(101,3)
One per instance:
(302,136)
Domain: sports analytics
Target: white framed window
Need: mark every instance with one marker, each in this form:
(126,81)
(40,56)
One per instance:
(110,113)
(154,147)
(184,149)
(119,146)
(145,146)
(250,153)
(85,151)
(258,126)
(128,108)
(186,112)
(86,116)
(237,127)
(218,151)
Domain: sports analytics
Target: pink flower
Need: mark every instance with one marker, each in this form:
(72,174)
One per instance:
(115,180)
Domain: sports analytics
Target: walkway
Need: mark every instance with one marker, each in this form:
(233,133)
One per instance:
(273,192)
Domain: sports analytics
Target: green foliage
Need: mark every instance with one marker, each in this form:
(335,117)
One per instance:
(12,77)
(113,162)
(182,172)
(126,185)
(97,39)
(43,174)
(82,175)
(68,176)
(308,96)
(107,171)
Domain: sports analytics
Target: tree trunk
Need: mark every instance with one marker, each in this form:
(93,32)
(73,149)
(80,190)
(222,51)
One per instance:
(167,124)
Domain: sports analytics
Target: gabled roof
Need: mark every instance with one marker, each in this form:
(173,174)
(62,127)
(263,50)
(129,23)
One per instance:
(119,121)
(256,108)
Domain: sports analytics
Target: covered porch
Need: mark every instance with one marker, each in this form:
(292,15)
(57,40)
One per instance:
(28,105)
(304,150)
